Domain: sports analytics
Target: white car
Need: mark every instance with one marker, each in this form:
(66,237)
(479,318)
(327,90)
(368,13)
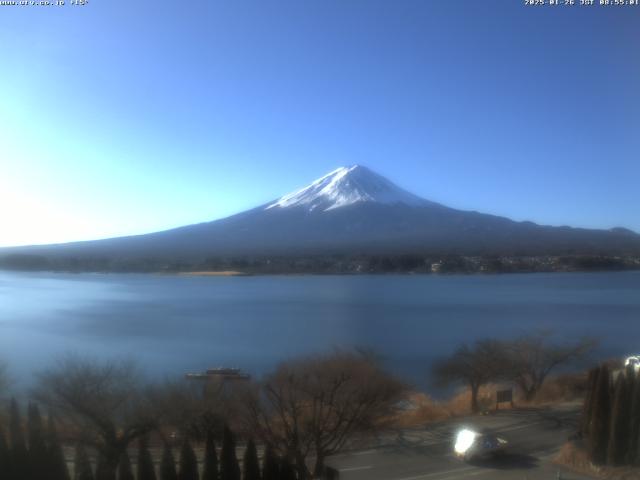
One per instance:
(471,445)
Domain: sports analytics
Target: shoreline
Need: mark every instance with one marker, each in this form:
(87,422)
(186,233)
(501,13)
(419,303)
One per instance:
(235,273)
(406,264)
(211,273)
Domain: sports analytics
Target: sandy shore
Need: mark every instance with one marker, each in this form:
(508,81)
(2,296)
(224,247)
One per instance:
(224,273)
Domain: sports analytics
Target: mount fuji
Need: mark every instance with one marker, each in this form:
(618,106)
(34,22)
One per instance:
(350,211)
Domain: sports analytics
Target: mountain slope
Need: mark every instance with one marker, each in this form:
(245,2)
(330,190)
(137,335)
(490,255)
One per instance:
(352,210)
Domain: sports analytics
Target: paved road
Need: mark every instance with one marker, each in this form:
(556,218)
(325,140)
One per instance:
(426,453)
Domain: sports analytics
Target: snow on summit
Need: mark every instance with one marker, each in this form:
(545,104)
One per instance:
(346,186)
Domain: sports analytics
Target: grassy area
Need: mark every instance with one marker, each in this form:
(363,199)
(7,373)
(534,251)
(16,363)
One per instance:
(424,409)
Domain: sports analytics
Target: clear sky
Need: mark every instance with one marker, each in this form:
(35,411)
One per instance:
(123,117)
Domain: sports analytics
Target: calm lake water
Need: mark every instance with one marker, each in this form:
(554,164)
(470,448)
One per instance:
(178,324)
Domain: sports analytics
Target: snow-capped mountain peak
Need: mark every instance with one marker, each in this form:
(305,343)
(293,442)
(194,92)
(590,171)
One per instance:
(346,186)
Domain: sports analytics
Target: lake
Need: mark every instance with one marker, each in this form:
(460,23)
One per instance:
(177,324)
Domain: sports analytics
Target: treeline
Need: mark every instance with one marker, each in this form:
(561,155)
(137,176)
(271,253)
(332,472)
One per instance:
(611,416)
(326,264)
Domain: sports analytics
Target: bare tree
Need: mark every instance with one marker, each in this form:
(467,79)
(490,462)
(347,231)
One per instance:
(102,402)
(199,408)
(196,409)
(474,366)
(313,407)
(531,358)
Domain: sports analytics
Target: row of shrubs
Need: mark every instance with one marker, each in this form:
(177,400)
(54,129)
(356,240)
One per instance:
(39,455)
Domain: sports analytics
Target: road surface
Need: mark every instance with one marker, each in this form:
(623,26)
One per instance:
(425,453)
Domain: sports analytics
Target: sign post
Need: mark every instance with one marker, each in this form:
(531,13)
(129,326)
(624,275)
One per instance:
(504,396)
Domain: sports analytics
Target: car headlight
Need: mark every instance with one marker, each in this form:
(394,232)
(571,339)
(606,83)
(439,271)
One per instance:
(464,440)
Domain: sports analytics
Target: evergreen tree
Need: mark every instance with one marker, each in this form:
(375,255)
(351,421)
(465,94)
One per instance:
(587,407)
(103,472)
(19,455)
(619,432)
(188,462)
(57,464)
(229,468)
(633,455)
(210,471)
(168,465)
(38,453)
(628,428)
(251,466)
(125,472)
(146,471)
(286,470)
(270,467)
(4,456)
(599,428)
(82,464)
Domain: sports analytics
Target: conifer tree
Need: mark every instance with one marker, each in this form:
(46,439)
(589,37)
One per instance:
(38,453)
(633,455)
(599,428)
(145,469)
(125,472)
(188,462)
(251,466)
(168,465)
(19,455)
(210,470)
(57,464)
(103,472)
(229,468)
(286,470)
(82,464)
(270,467)
(619,432)
(4,456)
(587,407)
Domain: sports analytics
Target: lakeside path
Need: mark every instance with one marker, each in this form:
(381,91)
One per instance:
(425,453)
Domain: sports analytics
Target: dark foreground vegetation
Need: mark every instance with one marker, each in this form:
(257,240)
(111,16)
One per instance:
(299,415)
(105,422)
(330,264)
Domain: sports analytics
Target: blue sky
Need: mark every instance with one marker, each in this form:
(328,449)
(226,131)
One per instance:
(124,117)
